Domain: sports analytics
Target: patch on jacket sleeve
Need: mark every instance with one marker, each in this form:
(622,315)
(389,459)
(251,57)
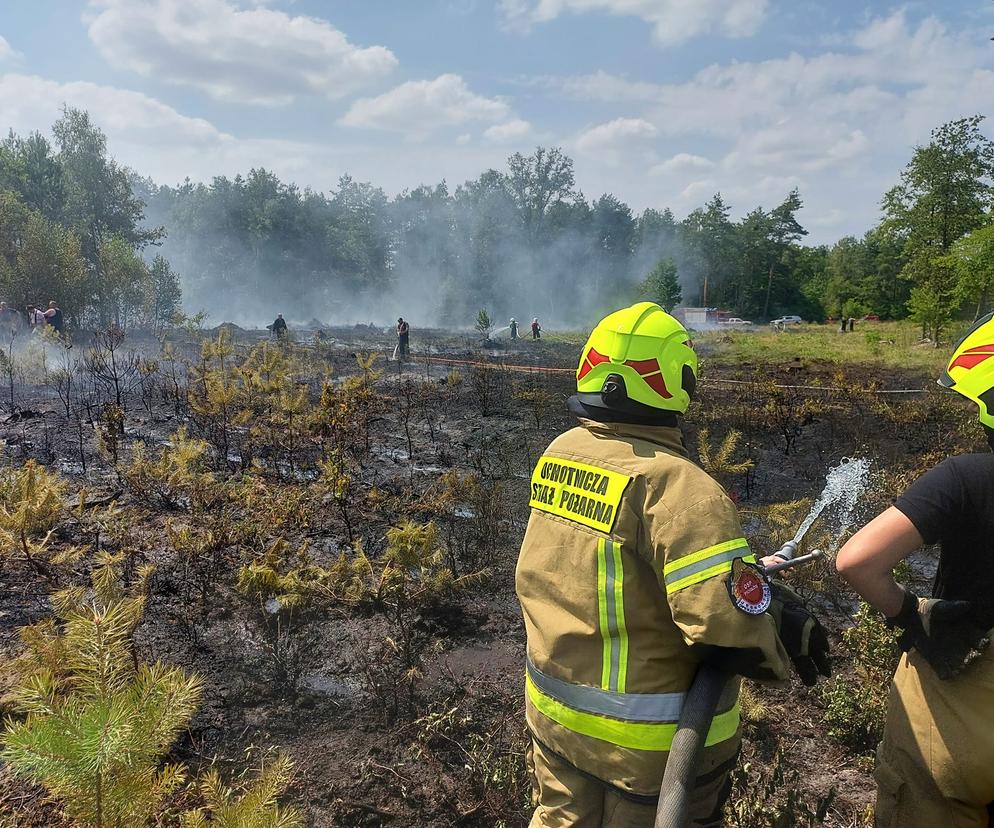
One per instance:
(749,588)
(585,494)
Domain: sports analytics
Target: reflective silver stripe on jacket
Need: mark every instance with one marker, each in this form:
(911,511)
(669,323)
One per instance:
(632,707)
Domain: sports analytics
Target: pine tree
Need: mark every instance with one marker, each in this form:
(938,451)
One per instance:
(96,723)
(249,804)
(30,506)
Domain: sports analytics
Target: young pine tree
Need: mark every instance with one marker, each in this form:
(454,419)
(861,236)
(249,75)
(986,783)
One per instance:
(94,723)
(31,503)
(249,804)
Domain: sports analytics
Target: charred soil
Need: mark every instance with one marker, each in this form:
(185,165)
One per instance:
(296,575)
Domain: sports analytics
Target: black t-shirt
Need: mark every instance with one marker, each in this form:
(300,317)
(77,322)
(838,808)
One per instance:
(953,505)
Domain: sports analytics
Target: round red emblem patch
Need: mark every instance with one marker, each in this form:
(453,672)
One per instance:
(749,589)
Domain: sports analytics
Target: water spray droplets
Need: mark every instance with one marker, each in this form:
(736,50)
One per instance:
(845,485)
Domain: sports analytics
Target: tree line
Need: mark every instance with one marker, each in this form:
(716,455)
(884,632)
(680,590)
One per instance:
(114,248)
(72,230)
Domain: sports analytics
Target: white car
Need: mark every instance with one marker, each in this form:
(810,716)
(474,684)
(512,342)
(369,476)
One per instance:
(734,322)
(783,321)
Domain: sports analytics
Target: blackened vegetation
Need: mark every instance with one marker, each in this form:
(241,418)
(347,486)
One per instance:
(334,546)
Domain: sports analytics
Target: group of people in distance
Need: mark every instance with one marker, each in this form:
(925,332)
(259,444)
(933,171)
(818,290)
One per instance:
(278,328)
(12,323)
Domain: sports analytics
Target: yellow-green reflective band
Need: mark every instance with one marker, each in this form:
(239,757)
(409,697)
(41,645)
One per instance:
(715,560)
(619,609)
(634,735)
(602,614)
(611,616)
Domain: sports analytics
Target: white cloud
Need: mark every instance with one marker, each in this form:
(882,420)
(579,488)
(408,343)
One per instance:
(510,131)
(255,55)
(7,52)
(158,141)
(838,122)
(29,102)
(417,108)
(682,162)
(673,21)
(614,134)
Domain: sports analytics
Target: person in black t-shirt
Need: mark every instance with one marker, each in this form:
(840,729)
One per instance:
(935,765)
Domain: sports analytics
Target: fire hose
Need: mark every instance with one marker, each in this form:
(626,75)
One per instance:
(696,716)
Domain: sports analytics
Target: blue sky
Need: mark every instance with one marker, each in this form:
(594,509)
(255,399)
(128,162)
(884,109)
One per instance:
(661,102)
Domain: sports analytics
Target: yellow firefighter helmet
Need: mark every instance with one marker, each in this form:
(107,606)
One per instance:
(649,350)
(971,368)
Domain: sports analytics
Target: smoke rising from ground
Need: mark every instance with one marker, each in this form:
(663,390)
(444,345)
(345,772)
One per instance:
(521,243)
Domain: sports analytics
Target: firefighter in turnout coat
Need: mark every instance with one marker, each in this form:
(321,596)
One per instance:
(935,765)
(628,579)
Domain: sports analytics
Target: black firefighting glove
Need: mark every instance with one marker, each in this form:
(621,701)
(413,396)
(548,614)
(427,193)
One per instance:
(802,635)
(942,631)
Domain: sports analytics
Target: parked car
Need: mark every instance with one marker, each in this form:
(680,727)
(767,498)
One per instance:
(783,321)
(872,317)
(734,322)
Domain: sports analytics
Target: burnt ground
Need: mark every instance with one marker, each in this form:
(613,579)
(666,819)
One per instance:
(435,738)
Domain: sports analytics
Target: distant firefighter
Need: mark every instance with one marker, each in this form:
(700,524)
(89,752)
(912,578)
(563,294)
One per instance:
(279,327)
(403,338)
(513,328)
(536,329)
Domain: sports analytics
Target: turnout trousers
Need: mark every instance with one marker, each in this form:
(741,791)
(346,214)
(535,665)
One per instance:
(565,797)
(935,765)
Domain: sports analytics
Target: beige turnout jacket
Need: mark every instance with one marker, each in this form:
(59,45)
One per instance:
(624,566)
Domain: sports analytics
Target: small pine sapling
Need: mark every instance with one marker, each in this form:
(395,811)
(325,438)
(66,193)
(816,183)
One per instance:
(93,725)
(249,803)
(31,504)
(177,478)
(719,463)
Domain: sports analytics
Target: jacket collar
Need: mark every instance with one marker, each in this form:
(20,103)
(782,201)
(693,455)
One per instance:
(668,438)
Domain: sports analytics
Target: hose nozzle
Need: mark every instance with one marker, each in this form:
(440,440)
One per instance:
(787,551)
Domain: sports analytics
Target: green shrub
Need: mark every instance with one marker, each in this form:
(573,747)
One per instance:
(856,703)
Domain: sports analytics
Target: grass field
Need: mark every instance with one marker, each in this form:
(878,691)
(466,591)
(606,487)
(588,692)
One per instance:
(891,344)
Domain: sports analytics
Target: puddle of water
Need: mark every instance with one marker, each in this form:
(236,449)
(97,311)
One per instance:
(323,685)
